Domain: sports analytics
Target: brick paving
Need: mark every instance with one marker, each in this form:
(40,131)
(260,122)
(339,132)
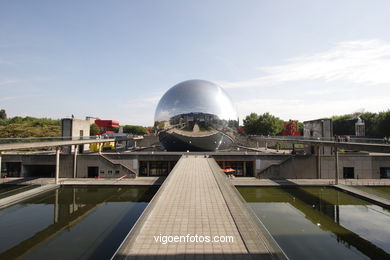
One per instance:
(189,202)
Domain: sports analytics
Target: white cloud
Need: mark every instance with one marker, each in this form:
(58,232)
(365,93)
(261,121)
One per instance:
(361,61)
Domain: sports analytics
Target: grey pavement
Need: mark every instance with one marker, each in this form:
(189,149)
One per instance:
(8,201)
(189,203)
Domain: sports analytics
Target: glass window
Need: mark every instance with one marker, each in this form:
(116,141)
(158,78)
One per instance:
(385,172)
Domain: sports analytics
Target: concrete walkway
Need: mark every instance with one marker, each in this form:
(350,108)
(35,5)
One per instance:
(252,181)
(8,201)
(365,195)
(86,181)
(190,204)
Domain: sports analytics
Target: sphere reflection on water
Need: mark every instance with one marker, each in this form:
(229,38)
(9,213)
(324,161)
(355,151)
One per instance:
(196,115)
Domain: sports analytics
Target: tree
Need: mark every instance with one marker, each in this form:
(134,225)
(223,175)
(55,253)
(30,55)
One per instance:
(376,124)
(383,124)
(265,124)
(344,124)
(134,129)
(250,124)
(269,124)
(3,114)
(93,129)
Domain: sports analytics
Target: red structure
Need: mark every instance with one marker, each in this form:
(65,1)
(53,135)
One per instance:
(291,128)
(106,126)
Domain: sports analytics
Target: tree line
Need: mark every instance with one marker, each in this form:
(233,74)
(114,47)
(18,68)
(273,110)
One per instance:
(19,127)
(377,125)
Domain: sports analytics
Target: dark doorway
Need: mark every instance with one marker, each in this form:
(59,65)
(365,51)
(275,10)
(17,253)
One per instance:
(349,172)
(249,168)
(39,170)
(93,172)
(13,169)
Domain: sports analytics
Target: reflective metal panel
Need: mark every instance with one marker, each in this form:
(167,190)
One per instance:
(196,115)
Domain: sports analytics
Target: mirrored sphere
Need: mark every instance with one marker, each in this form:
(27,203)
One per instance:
(196,115)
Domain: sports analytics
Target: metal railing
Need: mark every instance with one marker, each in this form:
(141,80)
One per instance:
(48,139)
(339,139)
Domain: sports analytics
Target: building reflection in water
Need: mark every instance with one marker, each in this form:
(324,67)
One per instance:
(71,211)
(321,218)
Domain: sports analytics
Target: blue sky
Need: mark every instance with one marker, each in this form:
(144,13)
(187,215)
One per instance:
(115,59)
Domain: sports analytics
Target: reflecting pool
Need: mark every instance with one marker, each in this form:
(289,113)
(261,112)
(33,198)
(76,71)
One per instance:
(321,222)
(72,222)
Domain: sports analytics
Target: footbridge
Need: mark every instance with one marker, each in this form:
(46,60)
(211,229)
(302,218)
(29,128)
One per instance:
(192,216)
(355,144)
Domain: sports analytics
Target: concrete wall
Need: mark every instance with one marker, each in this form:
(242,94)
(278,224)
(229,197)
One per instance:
(149,140)
(265,166)
(365,167)
(71,127)
(106,169)
(318,128)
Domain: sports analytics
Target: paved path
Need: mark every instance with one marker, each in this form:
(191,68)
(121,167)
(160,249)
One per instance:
(86,181)
(190,202)
(252,181)
(365,195)
(8,201)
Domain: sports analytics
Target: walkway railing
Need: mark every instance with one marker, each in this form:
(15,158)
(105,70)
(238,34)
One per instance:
(338,139)
(46,139)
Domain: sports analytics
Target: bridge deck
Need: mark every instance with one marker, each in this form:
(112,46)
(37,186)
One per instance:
(191,201)
(44,144)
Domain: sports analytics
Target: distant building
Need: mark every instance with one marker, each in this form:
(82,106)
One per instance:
(291,128)
(360,128)
(91,119)
(74,129)
(320,128)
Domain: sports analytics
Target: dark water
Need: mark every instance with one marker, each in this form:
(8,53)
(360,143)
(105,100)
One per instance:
(321,222)
(72,222)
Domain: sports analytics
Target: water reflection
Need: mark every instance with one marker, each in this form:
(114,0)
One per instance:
(71,222)
(321,222)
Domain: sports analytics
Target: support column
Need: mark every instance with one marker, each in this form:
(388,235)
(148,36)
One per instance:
(56,207)
(318,162)
(76,149)
(148,168)
(244,168)
(0,165)
(293,148)
(57,165)
(336,158)
(100,147)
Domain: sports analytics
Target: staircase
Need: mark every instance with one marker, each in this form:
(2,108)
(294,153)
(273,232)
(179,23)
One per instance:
(118,166)
(274,169)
